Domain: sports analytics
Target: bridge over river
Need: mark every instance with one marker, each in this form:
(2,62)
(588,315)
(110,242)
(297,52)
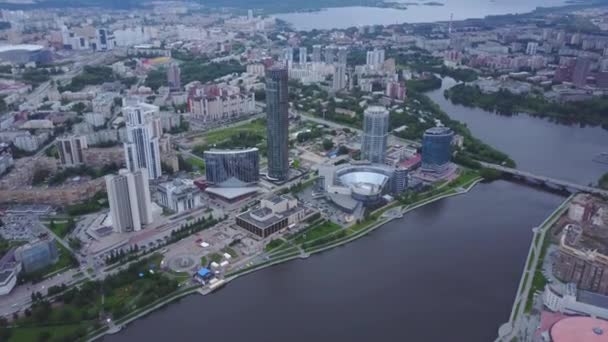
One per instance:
(546,180)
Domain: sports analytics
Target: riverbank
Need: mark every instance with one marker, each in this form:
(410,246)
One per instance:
(358,231)
(504,102)
(526,290)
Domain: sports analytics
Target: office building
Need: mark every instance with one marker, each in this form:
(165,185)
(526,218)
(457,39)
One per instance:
(316,53)
(339,80)
(174,77)
(129,198)
(436,149)
(144,130)
(375,58)
(342,55)
(581,71)
(274,214)
(232,168)
(303,55)
(375,134)
(179,195)
(37,255)
(277,121)
(71,149)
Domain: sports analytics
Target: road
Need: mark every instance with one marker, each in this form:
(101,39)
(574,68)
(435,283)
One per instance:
(392,139)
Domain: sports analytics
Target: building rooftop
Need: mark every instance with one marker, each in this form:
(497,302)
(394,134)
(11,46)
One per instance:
(231,193)
(580,329)
(18,47)
(594,299)
(234,151)
(5,274)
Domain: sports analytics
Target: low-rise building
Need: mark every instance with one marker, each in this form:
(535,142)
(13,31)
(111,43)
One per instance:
(6,161)
(274,214)
(220,102)
(95,119)
(37,255)
(179,195)
(9,269)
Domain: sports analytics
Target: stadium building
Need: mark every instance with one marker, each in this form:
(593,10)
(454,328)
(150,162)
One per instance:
(25,53)
(349,185)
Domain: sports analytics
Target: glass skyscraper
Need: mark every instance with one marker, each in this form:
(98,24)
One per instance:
(277,121)
(436,149)
(375,134)
(232,167)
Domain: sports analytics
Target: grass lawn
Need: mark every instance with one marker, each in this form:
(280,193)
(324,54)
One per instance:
(215,257)
(65,261)
(57,332)
(230,251)
(318,231)
(274,244)
(60,228)
(465,177)
(196,163)
(216,136)
(204,261)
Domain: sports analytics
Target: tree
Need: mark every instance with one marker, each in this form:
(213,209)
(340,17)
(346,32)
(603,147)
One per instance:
(327,144)
(44,336)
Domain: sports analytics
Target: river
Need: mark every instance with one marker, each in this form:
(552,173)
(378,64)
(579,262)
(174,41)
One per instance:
(537,145)
(344,17)
(447,271)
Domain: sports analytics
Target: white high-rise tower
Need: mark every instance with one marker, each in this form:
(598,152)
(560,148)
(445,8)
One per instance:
(143,132)
(129,199)
(375,134)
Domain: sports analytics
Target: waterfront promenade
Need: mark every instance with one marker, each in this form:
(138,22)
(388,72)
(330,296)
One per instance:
(513,327)
(287,256)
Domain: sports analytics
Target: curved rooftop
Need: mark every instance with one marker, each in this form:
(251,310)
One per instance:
(232,151)
(367,180)
(21,47)
(580,329)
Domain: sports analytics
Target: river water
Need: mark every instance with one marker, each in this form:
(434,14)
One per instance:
(536,145)
(447,271)
(344,17)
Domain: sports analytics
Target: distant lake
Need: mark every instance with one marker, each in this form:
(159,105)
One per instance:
(344,17)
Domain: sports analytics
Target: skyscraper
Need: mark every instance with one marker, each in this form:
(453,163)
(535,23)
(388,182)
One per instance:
(303,55)
(330,54)
(232,168)
(339,81)
(71,149)
(288,55)
(129,198)
(143,132)
(581,71)
(174,78)
(436,149)
(342,55)
(375,57)
(375,134)
(316,53)
(277,121)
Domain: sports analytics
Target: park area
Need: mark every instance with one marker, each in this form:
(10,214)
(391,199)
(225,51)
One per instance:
(77,311)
